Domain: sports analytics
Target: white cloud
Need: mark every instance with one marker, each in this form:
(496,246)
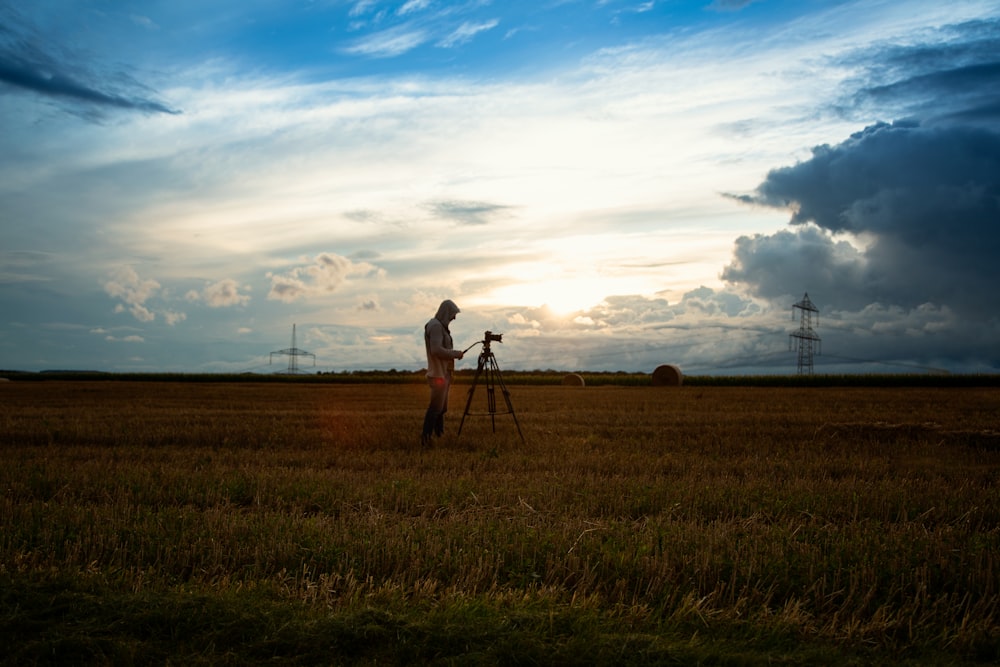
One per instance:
(221,294)
(411,6)
(327,272)
(172,317)
(133,338)
(133,292)
(362,7)
(388,43)
(466,32)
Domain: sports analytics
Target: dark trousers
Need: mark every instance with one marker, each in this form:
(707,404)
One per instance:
(434,417)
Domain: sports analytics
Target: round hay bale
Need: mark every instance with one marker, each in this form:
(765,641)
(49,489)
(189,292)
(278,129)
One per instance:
(573,380)
(667,375)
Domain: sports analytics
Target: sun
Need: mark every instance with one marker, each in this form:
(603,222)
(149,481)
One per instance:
(564,297)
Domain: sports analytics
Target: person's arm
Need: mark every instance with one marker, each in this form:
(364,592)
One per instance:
(435,337)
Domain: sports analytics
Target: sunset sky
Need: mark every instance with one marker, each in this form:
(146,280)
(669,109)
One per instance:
(612,184)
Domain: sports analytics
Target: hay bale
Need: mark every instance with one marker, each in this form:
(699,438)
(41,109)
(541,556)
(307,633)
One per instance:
(573,380)
(667,375)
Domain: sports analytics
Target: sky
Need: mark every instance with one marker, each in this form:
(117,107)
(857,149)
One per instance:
(610,184)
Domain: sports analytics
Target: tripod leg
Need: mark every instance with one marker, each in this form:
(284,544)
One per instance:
(491,396)
(472,390)
(506,398)
(488,365)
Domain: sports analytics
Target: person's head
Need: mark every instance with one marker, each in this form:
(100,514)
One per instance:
(447,311)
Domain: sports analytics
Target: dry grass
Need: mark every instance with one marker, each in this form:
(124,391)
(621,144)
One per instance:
(858,519)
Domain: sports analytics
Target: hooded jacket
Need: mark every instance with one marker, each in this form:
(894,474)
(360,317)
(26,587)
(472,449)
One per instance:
(437,340)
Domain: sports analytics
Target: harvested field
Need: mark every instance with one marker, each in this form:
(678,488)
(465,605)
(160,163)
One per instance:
(238,523)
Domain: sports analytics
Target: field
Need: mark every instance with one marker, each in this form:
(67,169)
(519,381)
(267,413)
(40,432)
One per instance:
(291,523)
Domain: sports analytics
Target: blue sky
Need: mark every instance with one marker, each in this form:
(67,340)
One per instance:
(612,184)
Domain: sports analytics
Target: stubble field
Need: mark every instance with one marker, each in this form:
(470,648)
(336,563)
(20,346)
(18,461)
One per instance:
(243,523)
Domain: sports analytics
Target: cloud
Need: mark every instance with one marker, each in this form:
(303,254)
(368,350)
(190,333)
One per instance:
(416,27)
(172,317)
(38,78)
(730,5)
(790,262)
(24,267)
(125,339)
(388,43)
(221,294)
(362,7)
(923,204)
(411,6)
(29,63)
(466,32)
(327,272)
(894,230)
(705,329)
(467,212)
(963,83)
(950,76)
(133,292)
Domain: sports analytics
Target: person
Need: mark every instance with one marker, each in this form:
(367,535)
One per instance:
(441,357)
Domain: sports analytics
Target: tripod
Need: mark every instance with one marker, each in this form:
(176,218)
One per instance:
(488,367)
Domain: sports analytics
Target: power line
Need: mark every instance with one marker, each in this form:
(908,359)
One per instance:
(888,363)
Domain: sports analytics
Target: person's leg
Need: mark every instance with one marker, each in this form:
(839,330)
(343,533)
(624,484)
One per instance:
(435,410)
(439,422)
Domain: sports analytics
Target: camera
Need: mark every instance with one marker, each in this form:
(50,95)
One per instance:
(490,336)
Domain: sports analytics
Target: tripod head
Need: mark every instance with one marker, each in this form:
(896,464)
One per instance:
(488,337)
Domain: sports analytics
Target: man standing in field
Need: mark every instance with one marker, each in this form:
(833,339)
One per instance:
(440,366)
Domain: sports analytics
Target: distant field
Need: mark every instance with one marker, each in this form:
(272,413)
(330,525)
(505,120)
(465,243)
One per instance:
(244,522)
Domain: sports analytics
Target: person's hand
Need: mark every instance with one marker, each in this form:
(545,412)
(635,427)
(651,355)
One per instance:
(461,354)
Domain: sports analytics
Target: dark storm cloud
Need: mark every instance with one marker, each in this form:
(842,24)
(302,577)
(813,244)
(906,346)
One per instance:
(896,230)
(923,194)
(787,262)
(28,62)
(926,202)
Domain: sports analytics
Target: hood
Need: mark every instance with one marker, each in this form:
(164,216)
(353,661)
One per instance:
(447,310)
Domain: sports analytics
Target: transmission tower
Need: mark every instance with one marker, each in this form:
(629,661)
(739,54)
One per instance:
(293,355)
(805,340)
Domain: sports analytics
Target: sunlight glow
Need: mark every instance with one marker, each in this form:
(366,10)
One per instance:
(564,297)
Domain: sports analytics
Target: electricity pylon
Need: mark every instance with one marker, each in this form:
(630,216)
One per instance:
(293,355)
(805,340)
